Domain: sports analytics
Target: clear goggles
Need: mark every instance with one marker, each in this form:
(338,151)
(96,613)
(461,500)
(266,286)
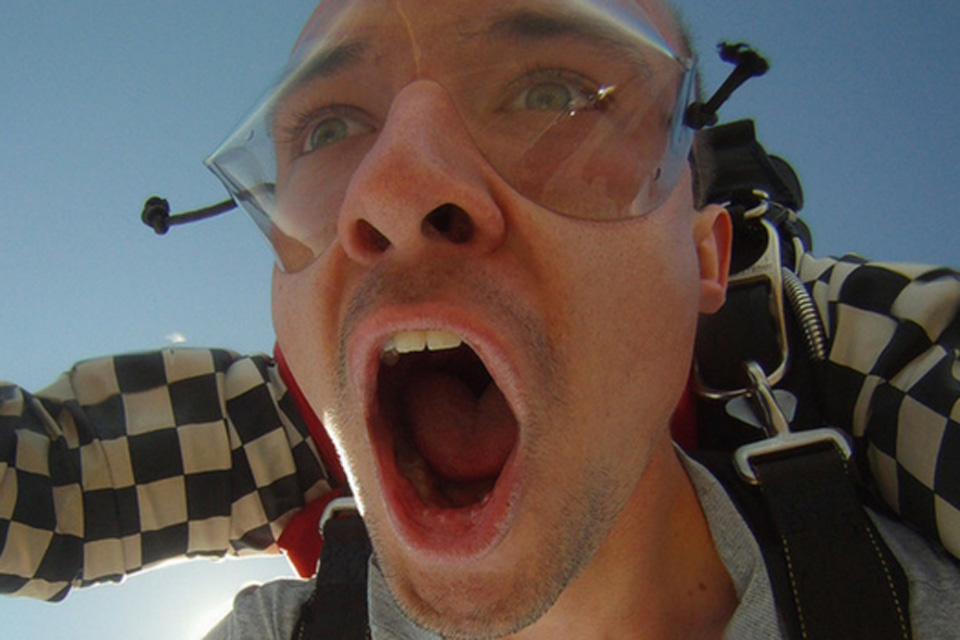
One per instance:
(578,105)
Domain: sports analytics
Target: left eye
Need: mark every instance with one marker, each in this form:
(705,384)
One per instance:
(548,96)
(553,91)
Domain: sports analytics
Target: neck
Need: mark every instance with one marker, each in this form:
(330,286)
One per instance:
(657,575)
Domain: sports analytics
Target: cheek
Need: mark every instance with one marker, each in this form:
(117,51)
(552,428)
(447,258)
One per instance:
(305,310)
(291,313)
(632,330)
(309,195)
(304,318)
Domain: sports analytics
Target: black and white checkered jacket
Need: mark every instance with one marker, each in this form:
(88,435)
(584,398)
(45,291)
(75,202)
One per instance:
(131,460)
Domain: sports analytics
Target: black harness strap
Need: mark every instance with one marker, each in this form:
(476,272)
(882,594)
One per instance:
(337,610)
(831,572)
(845,582)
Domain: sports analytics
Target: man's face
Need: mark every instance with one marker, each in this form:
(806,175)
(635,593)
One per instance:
(495,376)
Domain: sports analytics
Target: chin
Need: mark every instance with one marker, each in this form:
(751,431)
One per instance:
(472,607)
(509,588)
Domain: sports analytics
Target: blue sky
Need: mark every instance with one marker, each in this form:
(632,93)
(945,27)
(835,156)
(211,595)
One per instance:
(105,102)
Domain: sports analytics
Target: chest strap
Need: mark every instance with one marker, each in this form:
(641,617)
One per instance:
(831,572)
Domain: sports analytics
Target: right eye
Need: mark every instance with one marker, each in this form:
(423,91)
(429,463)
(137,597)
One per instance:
(323,127)
(333,127)
(327,132)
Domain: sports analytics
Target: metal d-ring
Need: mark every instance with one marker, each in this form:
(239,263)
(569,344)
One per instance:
(335,508)
(775,423)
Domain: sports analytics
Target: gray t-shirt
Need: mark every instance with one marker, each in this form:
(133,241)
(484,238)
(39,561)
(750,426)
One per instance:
(271,611)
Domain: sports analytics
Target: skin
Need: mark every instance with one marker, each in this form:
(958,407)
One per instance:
(624,551)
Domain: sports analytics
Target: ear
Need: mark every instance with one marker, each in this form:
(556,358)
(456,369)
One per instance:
(713,233)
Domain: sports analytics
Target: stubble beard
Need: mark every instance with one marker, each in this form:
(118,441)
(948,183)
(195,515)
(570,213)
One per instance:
(454,607)
(582,507)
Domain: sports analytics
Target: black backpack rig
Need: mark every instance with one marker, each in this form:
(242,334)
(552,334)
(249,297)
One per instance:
(759,384)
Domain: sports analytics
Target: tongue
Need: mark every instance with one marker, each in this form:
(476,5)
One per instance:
(461,436)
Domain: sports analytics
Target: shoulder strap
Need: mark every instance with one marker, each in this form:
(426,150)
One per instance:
(337,609)
(831,572)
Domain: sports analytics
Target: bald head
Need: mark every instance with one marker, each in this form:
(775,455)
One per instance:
(659,14)
(667,21)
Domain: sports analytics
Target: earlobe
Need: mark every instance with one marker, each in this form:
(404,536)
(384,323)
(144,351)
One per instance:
(713,233)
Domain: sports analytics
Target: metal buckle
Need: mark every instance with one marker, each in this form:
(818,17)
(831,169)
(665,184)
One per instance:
(336,507)
(767,268)
(780,438)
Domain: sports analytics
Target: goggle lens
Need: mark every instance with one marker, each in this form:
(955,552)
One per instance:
(576,105)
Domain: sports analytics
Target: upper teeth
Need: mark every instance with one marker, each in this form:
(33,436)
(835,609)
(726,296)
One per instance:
(415,341)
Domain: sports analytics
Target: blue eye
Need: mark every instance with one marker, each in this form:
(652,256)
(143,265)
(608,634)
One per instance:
(548,96)
(553,90)
(327,132)
(334,124)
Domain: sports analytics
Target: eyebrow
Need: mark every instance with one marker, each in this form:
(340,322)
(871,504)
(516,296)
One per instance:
(521,26)
(534,26)
(324,64)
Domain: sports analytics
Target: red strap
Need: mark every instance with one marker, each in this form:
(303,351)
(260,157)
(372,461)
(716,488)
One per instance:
(328,453)
(301,539)
(683,424)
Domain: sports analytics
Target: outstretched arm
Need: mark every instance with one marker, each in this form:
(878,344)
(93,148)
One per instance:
(893,378)
(131,460)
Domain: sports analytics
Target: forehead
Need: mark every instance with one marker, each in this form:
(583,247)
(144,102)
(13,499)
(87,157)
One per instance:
(342,19)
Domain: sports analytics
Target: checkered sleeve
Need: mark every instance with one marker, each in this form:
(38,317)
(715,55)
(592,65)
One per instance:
(894,380)
(131,460)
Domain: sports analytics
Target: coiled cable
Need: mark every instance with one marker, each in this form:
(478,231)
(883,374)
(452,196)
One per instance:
(811,326)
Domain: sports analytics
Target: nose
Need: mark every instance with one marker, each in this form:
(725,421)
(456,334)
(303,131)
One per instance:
(423,184)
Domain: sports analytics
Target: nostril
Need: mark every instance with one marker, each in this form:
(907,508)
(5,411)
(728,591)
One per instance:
(371,238)
(450,222)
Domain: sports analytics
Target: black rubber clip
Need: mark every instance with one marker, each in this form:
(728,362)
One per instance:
(749,63)
(156,214)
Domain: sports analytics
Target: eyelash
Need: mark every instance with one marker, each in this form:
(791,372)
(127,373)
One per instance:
(535,74)
(301,123)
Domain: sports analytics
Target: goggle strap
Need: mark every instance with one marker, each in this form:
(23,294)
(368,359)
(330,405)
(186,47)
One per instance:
(749,63)
(156,214)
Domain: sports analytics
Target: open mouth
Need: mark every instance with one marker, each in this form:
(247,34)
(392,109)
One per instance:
(451,429)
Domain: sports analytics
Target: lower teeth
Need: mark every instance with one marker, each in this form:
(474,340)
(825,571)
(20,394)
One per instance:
(414,468)
(433,490)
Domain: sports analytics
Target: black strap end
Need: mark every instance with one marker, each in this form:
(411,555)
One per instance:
(156,215)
